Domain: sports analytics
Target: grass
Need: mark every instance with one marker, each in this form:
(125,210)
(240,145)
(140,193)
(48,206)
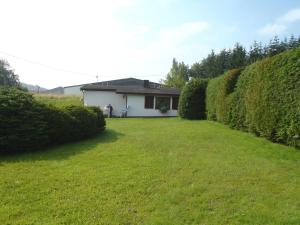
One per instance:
(154,171)
(59,100)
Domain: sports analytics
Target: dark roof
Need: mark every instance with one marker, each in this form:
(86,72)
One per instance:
(120,82)
(144,90)
(126,82)
(133,89)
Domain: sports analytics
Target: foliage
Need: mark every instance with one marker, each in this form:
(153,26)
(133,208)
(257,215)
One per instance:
(100,117)
(7,75)
(59,125)
(266,100)
(178,75)
(154,171)
(216,64)
(27,124)
(85,121)
(268,93)
(58,100)
(162,104)
(192,100)
(219,96)
(22,125)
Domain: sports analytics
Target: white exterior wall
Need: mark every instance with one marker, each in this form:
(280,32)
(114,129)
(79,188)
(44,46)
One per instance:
(135,103)
(136,107)
(103,98)
(75,90)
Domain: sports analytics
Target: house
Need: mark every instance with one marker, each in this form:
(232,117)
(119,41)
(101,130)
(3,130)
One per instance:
(133,97)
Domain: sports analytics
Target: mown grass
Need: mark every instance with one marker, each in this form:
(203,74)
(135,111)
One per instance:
(154,171)
(59,100)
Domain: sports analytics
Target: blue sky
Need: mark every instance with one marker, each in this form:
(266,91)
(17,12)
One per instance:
(60,43)
(228,21)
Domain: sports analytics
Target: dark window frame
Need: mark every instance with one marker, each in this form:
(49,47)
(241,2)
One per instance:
(156,97)
(175,97)
(146,106)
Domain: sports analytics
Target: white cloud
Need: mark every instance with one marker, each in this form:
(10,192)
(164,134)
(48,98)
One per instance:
(183,31)
(272,29)
(170,42)
(290,16)
(281,24)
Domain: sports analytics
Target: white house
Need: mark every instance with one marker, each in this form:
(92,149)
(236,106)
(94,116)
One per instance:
(138,98)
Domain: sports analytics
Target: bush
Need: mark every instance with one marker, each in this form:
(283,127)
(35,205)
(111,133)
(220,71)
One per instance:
(266,100)
(26,124)
(268,96)
(84,123)
(21,124)
(211,96)
(192,100)
(59,123)
(219,96)
(100,117)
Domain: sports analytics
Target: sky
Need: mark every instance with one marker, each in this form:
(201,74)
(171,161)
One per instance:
(66,42)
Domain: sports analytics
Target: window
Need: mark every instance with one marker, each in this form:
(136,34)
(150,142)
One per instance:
(162,102)
(175,103)
(149,102)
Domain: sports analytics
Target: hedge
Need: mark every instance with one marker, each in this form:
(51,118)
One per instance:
(219,96)
(266,100)
(26,124)
(22,126)
(192,100)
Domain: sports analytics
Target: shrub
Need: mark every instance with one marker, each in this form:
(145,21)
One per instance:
(84,121)
(26,124)
(268,97)
(21,124)
(219,96)
(265,101)
(211,96)
(59,125)
(192,100)
(100,117)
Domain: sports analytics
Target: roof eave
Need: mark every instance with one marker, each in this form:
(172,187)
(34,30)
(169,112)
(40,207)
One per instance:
(145,93)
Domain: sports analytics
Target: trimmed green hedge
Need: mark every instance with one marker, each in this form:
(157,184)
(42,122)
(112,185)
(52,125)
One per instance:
(219,96)
(26,124)
(22,125)
(192,100)
(266,100)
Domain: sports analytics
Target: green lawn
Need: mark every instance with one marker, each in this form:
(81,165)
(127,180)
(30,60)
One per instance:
(58,100)
(154,171)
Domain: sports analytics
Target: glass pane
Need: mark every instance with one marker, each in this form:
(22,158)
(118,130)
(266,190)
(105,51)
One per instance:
(162,102)
(175,103)
(149,102)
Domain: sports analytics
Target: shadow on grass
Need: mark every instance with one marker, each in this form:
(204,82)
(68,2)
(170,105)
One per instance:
(64,151)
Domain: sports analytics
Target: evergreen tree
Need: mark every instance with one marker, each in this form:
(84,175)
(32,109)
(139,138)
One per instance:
(216,64)
(238,56)
(222,61)
(178,75)
(274,46)
(210,65)
(293,42)
(256,52)
(197,70)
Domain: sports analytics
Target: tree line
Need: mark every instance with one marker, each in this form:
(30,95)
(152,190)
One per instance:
(7,75)
(215,64)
